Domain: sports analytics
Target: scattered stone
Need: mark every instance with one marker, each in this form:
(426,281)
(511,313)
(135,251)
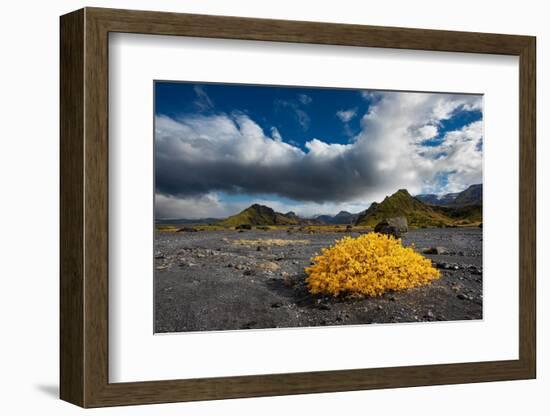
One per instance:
(187,230)
(429,315)
(261,248)
(435,250)
(462,296)
(159,257)
(447,266)
(241,267)
(248,272)
(268,265)
(379,307)
(276,304)
(243,227)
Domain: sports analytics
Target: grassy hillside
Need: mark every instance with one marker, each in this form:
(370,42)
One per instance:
(462,215)
(259,215)
(471,195)
(417,213)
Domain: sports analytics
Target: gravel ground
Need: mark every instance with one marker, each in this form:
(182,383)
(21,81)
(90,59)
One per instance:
(212,280)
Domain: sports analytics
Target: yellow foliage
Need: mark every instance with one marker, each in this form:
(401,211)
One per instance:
(368,265)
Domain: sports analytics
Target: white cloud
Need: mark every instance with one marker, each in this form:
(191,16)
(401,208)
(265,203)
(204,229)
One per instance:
(202,206)
(200,155)
(203,101)
(293,106)
(305,99)
(346,115)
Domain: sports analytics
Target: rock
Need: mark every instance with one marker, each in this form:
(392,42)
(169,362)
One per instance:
(392,226)
(243,227)
(248,272)
(276,304)
(261,248)
(349,228)
(268,265)
(242,267)
(287,280)
(262,227)
(447,266)
(429,315)
(187,230)
(462,296)
(159,257)
(435,250)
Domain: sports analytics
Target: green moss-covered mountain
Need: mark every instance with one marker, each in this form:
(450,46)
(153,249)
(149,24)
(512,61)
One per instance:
(418,214)
(260,215)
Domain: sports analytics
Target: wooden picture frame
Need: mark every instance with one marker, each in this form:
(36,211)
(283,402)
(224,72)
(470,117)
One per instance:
(84,207)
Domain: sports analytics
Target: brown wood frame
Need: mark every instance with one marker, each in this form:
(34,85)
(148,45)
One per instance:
(84,209)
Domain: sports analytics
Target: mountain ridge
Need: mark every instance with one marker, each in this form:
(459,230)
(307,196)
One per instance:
(469,196)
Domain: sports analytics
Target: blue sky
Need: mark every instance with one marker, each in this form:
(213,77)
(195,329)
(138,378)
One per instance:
(222,147)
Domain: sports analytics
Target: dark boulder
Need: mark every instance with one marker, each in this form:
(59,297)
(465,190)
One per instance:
(187,230)
(392,226)
(243,227)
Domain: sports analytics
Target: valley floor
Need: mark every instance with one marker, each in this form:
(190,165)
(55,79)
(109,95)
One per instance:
(229,280)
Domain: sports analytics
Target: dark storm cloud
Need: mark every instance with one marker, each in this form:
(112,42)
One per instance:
(199,154)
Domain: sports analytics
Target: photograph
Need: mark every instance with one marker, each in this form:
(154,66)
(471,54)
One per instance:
(294,207)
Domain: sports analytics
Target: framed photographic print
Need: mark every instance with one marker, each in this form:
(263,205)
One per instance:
(260,207)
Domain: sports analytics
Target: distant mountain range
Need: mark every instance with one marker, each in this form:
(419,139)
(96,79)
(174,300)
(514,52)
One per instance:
(343,217)
(427,210)
(472,195)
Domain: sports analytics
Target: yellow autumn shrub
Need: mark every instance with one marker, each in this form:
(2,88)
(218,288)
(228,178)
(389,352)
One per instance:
(368,265)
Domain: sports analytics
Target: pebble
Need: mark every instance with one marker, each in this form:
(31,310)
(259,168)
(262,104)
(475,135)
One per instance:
(462,296)
(268,265)
(435,250)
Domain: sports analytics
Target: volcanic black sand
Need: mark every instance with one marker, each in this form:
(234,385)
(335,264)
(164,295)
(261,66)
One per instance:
(227,280)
